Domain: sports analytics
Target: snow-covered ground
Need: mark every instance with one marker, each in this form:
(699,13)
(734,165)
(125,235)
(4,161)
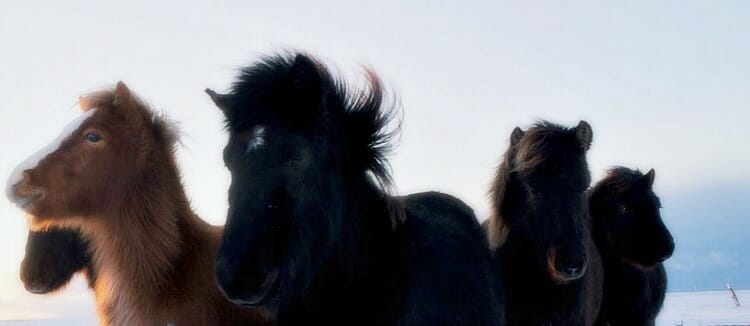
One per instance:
(705,308)
(700,308)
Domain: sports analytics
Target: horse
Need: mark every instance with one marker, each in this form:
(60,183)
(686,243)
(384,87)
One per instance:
(312,231)
(112,174)
(52,258)
(539,229)
(634,243)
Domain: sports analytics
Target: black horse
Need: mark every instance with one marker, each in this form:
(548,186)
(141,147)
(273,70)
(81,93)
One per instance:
(539,230)
(634,242)
(52,258)
(312,233)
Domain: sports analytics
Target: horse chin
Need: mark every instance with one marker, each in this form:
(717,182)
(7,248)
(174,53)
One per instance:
(266,292)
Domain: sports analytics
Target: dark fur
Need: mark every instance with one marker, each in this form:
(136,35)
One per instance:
(634,242)
(52,258)
(539,229)
(312,232)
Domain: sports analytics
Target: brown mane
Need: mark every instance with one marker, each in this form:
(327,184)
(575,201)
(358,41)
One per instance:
(497,231)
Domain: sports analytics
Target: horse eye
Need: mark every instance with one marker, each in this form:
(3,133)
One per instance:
(624,209)
(92,137)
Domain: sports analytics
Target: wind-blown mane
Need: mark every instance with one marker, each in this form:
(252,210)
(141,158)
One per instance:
(363,114)
(497,229)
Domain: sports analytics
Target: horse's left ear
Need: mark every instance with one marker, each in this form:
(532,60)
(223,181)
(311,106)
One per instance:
(221,100)
(584,134)
(649,177)
(516,135)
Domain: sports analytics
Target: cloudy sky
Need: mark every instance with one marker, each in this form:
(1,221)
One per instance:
(664,85)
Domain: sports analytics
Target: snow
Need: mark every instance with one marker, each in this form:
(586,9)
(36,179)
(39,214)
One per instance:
(705,308)
(680,308)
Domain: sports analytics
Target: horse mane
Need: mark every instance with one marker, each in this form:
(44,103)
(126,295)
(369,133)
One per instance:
(363,139)
(536,143)
(164,129)
(497,228)
(618,180)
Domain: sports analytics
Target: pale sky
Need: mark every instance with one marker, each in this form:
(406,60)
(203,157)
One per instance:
(664,85)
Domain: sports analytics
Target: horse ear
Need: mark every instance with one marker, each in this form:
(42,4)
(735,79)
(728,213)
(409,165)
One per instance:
(221,100)
(516,136)
(122,95)
(584,134)
(649,177)
(85,103)
(307,83)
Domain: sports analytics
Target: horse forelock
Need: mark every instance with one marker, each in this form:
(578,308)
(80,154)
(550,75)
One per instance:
(534,146)
(263,87)
(356,121)
(618,180)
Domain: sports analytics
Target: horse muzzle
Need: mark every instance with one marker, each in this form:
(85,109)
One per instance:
(563,271)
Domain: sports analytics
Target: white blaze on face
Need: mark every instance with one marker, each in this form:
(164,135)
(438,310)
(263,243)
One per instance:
(257,140)
(17,175)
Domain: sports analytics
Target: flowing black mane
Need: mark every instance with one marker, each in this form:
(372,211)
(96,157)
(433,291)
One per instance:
(363,140)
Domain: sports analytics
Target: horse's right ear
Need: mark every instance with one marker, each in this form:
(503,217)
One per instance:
(650,176)
(584,134)
(221,100)
(516,136)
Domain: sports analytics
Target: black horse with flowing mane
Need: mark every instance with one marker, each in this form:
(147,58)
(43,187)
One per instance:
(539,230)
(52,258)
(634,242)
(312,232)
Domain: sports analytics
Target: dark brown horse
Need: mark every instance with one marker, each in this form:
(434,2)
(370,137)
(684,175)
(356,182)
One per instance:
(634,242)
(113,174)
(539,229)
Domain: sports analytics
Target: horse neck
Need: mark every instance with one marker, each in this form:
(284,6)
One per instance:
(137,245)
(366,226)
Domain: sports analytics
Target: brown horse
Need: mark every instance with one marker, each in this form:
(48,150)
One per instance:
(112,173)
